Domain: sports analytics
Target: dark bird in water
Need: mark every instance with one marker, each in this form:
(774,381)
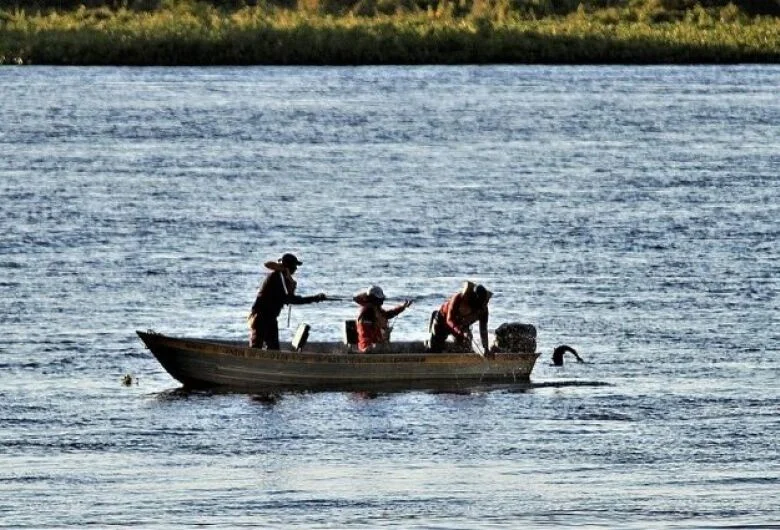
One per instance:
(560,350)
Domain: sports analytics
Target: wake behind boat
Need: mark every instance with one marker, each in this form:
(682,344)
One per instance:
(232,365)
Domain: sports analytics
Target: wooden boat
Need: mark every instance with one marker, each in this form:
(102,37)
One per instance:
(209,363)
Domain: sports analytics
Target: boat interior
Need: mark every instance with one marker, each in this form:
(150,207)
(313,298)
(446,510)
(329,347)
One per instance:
(350,341)
(348,344)
(341,347)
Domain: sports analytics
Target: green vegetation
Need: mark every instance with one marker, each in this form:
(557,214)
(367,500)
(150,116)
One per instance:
(189,32)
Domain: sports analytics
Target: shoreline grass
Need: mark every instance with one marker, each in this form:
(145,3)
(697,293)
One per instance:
(488,32)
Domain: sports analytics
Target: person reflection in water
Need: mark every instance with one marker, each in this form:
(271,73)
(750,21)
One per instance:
(277,290)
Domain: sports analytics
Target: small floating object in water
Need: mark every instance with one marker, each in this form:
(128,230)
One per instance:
(560,350)
(128,380)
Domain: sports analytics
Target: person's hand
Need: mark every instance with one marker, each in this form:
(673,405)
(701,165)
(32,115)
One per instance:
(407,303)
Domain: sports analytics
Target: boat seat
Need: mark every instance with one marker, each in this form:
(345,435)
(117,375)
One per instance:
(301,336)
(350,333)
(432,321)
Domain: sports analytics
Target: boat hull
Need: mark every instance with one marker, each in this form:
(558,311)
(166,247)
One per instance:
(202,363)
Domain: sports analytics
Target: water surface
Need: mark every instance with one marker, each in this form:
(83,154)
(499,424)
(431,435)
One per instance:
(629,212)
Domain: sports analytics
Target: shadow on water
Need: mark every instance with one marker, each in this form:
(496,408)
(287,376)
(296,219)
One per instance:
(273,396)
(184,393)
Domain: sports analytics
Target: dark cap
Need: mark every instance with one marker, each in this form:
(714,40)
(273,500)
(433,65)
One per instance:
(289,260)
(481,295)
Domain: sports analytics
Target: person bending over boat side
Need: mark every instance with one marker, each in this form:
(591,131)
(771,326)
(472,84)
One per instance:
(277,290)
(456,316)
(373,322)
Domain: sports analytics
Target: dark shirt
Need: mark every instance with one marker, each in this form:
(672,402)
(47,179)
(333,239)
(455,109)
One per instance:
(277,290)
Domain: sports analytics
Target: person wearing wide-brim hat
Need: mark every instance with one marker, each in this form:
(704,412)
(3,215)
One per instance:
(373,322)
(277,290)
(457,314)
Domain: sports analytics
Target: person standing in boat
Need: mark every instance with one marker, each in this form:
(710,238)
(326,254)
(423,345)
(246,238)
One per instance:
(373,322)
(456,316)
(277,290)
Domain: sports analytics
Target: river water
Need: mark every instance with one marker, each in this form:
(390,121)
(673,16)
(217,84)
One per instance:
(631,212)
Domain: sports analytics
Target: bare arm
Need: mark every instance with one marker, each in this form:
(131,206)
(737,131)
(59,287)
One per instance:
(294,299)
(483,329)
(397,310)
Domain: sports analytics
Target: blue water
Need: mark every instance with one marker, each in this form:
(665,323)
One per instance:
(631,212)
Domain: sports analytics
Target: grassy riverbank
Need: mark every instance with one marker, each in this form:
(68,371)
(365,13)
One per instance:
(387,32)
